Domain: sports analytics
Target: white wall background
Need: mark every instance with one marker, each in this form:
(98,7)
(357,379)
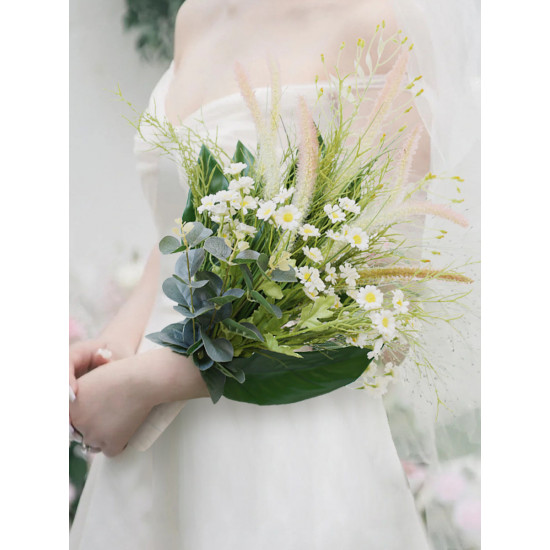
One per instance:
(109,217)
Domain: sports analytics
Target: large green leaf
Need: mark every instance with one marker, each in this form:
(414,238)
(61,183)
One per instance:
(275,379)
(212,171)
(189,263)
(169,245)
(242,154)
(217,247)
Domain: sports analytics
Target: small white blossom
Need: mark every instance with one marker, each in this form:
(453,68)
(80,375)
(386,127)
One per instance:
(349,205)
(248,229)
(288,217)
(312,294)
(266,210)
(369,297)
(307,230)
(247,203)
(399,303)
(349,273)
(331,275)
(242,245)
(206,203)
(359,341)
(235,168)
(357,238)
(227,195)
(375,353)
(384,322)
(313,254)
(283,195)
(333,235)
(334,213)
(309,276)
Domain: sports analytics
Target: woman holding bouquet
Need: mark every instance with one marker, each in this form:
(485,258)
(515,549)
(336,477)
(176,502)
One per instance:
(319,474)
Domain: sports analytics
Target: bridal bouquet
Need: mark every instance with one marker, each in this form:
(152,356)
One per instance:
(294,275)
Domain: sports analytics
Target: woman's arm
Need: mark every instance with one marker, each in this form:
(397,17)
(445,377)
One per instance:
(113,402)
(122,336)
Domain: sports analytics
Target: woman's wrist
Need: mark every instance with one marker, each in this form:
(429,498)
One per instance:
(165,376)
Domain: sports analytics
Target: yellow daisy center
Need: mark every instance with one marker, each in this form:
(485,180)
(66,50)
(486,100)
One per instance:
(357,239)
(288,217)
(370,298)
(385,322)
(307,276)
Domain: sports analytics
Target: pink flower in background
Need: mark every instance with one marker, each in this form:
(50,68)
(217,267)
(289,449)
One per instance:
(467,515)
(449,486)
(76,330)
(416,474)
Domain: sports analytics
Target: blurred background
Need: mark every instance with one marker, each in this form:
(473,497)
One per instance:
(128,44)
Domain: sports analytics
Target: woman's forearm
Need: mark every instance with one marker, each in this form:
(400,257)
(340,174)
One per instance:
(124,332)
(165,376)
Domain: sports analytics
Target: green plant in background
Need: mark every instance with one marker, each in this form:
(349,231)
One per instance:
(154,22)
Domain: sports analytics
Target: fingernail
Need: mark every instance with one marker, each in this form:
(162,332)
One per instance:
(105,353)
(72,396)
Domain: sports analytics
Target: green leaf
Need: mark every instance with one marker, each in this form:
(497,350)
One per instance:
(271,308)
(174,290)
(218,248)
(247,256)
(215,381)
(169,245)
(218,349)
(273,290)
(194,347)
(273,345)
(247,275)
(212,171)
(189,263)
(248,330)
(263,262)
(288,276)
(197,234)
(319,309)
(202,361)
(275,379)
(189,211)
(193,315)
(242,154)
(216,284)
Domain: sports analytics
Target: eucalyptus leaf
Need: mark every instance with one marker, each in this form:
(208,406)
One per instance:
(217,247)
(218,349)
(247,275)
(189,263)
(197,234)
(288,276)
(173,289)
(169,245)
(248,330)
(247,256)
(201,360)
(215,382)
(193,314)
(263,262)
(191,336)
(215,281)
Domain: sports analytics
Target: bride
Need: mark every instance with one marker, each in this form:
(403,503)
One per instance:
(318,474)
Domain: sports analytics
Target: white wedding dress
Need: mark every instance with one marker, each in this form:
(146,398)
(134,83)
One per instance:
(317,475)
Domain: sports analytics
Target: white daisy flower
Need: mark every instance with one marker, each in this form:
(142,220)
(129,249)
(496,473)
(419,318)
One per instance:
(226,195)
(283,195)
(359,341)
(334,213)
(307,230)
(309,276)
(247,229)
(399,303)
(313,254)
(247,203)
(349,205)
(235,168)
(312,294)
(369,297)
(288,217)
(333,235)
(242,245)
(357,238)
(245,184)
(331,275)
(349,273)
(207,203)
(384,322)
(266,210)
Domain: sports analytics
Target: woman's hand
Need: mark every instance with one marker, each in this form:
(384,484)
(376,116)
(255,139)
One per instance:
(86,355)
(113,402)
(111,405)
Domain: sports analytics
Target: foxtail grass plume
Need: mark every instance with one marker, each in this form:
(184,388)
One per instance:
(379,274)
